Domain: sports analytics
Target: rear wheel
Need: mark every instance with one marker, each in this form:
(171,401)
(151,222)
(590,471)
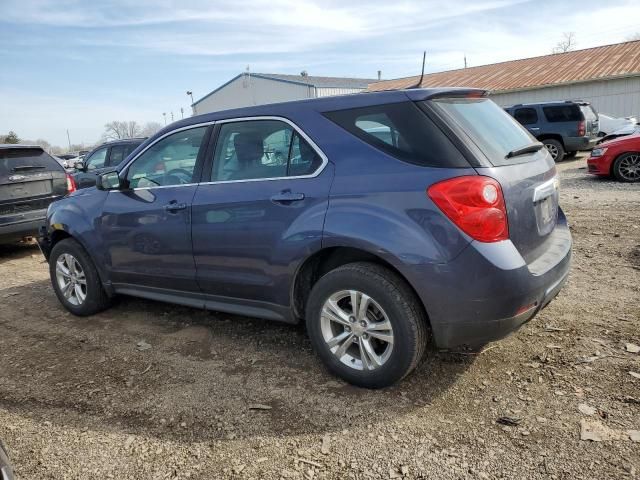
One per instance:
(626,168)
(555,148)
(366,324)
(75,279)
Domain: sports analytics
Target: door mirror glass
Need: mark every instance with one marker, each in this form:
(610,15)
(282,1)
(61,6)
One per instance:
(108,181)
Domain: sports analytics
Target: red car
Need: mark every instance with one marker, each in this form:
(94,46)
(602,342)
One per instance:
(619,158)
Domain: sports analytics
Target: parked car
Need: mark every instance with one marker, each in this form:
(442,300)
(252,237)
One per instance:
(6,473)
(619,158)
(30,179)
(447,226)
(624,131)
(609,124)
(563,127)
(104,157)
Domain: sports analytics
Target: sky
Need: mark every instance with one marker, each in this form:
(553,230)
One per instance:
(75,64)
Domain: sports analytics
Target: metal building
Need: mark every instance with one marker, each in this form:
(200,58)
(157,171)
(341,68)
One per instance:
(249,89)
(607,76)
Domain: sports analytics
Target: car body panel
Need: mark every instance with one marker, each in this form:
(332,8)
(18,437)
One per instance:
(602,165)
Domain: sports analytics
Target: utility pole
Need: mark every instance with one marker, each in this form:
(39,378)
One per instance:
(164,114)
(69,139)
(181,112)
(190,93)
(171,116)
(465,60)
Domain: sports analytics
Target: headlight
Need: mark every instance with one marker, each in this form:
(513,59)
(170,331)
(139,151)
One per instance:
(598,152)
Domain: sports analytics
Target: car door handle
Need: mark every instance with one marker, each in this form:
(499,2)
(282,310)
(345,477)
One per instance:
(175,206)
(534,128)
(287,197)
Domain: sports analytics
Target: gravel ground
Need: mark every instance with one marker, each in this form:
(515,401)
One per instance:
(150,391)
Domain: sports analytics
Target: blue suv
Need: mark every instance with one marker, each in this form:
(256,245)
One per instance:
(380,219)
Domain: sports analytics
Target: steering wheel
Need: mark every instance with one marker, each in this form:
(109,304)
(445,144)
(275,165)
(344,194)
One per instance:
(184,176)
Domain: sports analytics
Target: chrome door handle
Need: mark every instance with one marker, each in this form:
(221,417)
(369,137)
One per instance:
(287,197)
(174,207)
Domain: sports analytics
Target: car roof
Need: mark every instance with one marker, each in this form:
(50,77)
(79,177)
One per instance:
(327,104)
(18,145)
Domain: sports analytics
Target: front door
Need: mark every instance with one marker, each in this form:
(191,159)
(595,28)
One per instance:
(146,227)
(262,212)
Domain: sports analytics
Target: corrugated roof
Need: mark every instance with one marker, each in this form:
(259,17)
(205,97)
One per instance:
(326,82)
(599,63)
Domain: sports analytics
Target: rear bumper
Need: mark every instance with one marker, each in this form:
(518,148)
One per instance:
(17,226)
(573,144)
(489,291)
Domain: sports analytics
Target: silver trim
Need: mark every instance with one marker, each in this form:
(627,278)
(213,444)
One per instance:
(545,189)
(315,147)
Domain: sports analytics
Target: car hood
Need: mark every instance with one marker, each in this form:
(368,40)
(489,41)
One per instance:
(632,141)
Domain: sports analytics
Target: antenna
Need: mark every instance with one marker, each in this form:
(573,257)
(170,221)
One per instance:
(424,59)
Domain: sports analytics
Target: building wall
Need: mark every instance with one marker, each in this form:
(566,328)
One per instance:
(246,91)
(619,98)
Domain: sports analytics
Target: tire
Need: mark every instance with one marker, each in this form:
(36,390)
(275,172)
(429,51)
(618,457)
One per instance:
(570,154)
(555,148)
(626,167)
(391,299)
(86,295)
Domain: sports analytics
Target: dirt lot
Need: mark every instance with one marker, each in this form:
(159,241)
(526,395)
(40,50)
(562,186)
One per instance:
(79,399)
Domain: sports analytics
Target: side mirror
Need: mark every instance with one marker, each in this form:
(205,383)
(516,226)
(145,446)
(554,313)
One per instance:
(109,181)
(80,166)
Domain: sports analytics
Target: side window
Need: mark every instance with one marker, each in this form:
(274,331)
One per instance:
(117,155)
(171,161)
(526,116)
(563,113)
(97,158)
(260,149)
(401,130)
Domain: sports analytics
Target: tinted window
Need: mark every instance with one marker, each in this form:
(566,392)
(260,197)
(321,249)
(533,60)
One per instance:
(21,160)
(526,116)
(563,113)
(493,130)
(401,130)
(97,159)
(171,161)
(261,149)
(118,153)
(588,112)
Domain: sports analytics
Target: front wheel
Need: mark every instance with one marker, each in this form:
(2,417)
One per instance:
(626,168)
(366,324)
(75,279)
(555,148)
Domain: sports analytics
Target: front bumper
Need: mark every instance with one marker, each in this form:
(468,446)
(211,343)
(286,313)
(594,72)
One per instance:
(489,291)
(599,165)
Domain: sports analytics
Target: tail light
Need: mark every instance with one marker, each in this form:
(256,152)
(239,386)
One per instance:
(475,204)
(581,128)
(71,184)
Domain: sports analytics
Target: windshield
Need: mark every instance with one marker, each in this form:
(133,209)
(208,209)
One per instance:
(493,130)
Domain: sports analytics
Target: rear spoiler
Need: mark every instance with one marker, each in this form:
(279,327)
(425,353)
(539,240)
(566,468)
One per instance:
(418,95)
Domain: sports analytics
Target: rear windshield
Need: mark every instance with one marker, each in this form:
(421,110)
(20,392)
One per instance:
(563,113)
(26,160)
(588,112)
(494,131)
(403,131)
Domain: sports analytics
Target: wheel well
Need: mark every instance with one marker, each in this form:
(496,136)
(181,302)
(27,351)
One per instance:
(323,262)
(57,236)
(551,136)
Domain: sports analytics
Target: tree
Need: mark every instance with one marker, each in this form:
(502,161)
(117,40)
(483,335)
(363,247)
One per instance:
(567,43)
(118,130)
(11,137)
(150,128)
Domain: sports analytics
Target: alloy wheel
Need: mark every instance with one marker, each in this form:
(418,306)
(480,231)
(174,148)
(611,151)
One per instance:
(629,167)
(553,150)
(71,279)
(356,330)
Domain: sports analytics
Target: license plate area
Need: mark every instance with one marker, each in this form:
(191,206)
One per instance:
(545,201)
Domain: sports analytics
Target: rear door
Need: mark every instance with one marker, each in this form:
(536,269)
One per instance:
(262,211)
(528,181)
(30,180)
(528,118)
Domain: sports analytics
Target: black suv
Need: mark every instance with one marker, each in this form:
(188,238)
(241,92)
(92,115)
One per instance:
(30,179)
(104,157)
(563,127)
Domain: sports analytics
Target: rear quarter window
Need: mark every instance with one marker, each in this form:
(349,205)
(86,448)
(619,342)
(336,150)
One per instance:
(401,130)
(21,160)
(563,113)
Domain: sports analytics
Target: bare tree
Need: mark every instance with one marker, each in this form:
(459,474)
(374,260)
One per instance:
(150,128)
(567,43)
(118,130)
